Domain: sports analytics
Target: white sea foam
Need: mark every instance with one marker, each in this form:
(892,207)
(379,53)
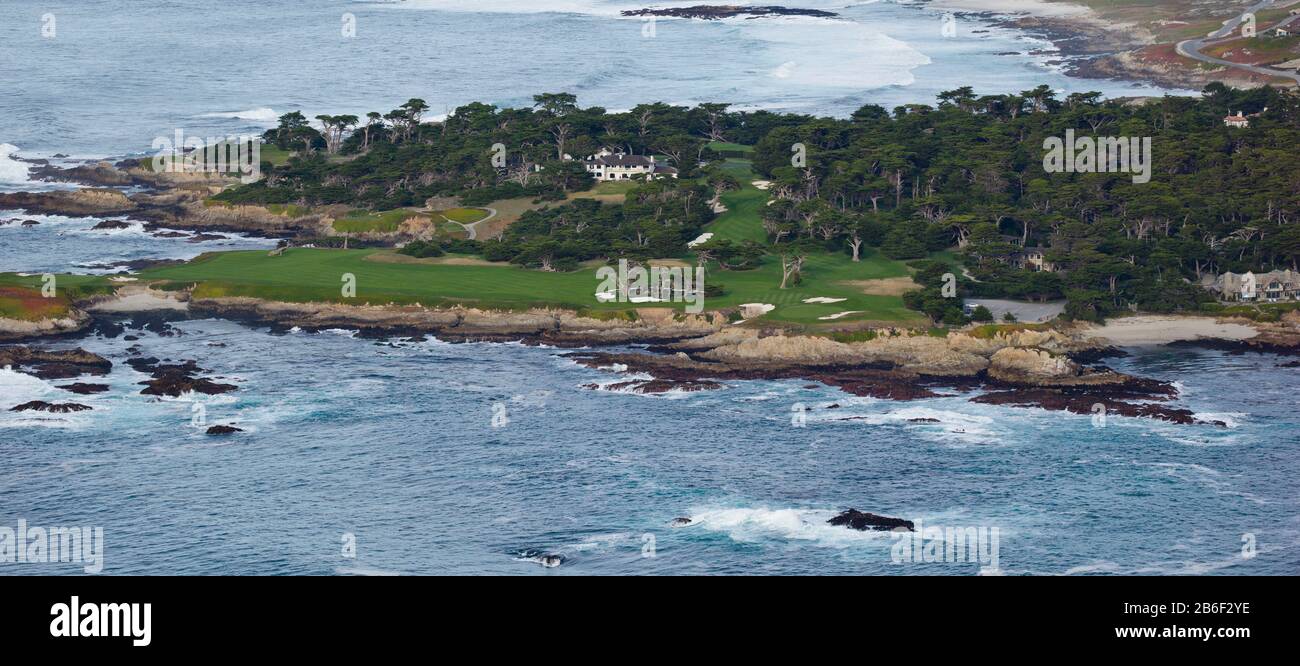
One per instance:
(12,171)
(262,115)
(756,524)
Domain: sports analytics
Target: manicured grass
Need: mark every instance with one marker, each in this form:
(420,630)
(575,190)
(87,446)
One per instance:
(731,149)
(464,215)
(317,274)
(742,220)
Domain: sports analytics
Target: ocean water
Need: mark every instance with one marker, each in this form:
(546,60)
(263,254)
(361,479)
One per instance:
(394,443)
(93,78)
(392,446)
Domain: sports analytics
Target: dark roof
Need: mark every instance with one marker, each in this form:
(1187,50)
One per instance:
(623,160)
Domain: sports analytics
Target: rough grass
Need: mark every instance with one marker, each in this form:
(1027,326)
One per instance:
(363,221)
(20,296)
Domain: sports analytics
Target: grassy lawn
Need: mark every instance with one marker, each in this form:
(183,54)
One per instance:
(610,191)
(316,275)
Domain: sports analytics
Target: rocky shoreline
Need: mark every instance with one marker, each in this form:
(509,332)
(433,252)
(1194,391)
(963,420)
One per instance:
(1057,370)
(1049,369)
(719,12)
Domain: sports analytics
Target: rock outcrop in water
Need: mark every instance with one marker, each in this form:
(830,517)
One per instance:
(53,408)
(718,12)
(176,379)
(54,364)
(73,203)
(1022,368)
(223,430)
(862,521)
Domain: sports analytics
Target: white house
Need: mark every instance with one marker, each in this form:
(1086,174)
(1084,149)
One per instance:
(607,165)
(1238,120)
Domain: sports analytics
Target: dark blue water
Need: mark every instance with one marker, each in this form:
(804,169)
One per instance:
(394,443)
(393,446)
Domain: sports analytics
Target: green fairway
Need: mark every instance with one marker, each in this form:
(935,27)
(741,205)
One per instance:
(317,275)
(742,220)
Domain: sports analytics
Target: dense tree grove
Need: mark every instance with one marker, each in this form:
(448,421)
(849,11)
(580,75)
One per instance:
(965,174)
(969,173)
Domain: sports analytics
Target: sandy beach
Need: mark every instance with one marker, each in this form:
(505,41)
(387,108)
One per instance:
(1159,330)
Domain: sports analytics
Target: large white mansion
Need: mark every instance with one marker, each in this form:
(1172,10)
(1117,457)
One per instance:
(607,165)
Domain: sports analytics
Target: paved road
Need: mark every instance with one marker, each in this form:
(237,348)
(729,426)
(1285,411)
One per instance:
(1191,48)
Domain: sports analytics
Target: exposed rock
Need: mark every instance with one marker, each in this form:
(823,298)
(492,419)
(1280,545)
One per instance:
(652,386)
(223,430)
(176,379)
(100,174)
(75,203)
(53,408)
(1100,399)
(23,329)
(679,522)
(108,225)
(858,520)
(538,326)
(54,364)
(85,389)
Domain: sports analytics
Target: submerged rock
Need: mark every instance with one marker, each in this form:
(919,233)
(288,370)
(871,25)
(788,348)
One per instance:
(548,560)
(679,522)
(859,520)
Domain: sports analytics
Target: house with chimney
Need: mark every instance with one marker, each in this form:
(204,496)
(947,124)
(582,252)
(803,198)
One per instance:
(611,166)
